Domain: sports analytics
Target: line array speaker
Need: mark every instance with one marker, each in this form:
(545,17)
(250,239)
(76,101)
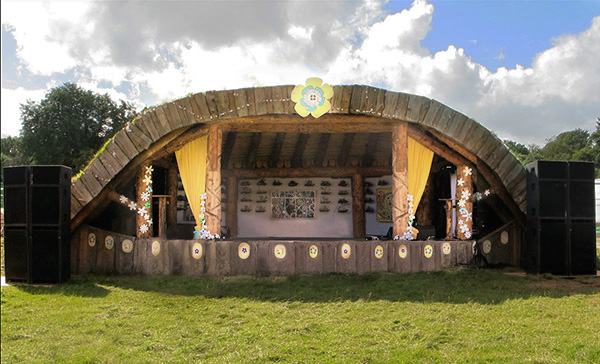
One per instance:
(561,218)
(37,223)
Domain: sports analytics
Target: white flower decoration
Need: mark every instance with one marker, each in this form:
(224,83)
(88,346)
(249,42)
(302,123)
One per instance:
(144,228)
(468,234)
(487,192)
(462,203)
(132,206)
(409,197)
(460,222)
(460,182)
(147,180)
(468,216)
(149,169)
(467,171)
(123,199)
(465,195)
(142,211)
(464,228)
(145,196)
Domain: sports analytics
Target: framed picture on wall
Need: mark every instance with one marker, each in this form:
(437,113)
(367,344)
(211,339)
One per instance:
(384,205)
(292,204)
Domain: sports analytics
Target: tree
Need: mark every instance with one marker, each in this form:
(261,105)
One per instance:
(11,152)
(70,124)
(574,145)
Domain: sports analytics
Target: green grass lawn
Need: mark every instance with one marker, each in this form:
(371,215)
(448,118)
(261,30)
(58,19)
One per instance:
(456,316)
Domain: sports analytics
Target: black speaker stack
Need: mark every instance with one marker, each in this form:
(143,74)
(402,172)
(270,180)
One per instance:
(37,204)
(561,232)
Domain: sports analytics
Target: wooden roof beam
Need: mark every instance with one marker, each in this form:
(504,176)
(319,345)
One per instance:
(322,149)
(342,159)
(307,172)
(228,148)
(252,149)
(276,151)
(367,160)
(299,150)
(438,147)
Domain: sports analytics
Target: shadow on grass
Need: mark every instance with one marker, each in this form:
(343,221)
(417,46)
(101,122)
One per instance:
(81,286)
(484,286)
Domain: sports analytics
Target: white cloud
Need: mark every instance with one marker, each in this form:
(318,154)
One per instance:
(11,112)
(165,50)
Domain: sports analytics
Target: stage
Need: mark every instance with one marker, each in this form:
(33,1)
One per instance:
(100,251)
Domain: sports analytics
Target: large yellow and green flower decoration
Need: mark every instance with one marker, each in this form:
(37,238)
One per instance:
(312,98)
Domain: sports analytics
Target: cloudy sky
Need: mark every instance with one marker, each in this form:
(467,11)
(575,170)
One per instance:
(527,70)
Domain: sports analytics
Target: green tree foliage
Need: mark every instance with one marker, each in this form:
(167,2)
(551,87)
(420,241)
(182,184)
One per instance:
(11,152)
(574,145)
(70,124)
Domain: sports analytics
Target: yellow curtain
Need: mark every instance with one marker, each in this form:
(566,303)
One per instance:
(419,165)
(191,160)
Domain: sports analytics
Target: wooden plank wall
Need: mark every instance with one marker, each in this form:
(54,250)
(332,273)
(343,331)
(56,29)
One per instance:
(222,258)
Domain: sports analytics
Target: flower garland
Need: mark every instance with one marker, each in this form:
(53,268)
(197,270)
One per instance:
(409,234)
(146,195)
(204,233)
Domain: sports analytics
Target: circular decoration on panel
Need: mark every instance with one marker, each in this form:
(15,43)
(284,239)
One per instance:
(378,252)
(428,251)
(197,251)
(504,237)
(127,246)
(92,240)
(244,251)
(155,247)
(109,242)
(279,251)
(313,251)
(487,247)
(346,251)
(446,248)
(403,251)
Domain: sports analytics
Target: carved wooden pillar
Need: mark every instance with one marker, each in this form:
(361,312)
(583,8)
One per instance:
(464,206)
(358,206)
(232,196)
(162,216)
(143,220)
(448,206)
(172,192)
(399,178)
(213,180)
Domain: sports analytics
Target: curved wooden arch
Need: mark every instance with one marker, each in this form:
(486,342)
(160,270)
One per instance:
(161,128)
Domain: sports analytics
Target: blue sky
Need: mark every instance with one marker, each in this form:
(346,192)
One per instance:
(524,69)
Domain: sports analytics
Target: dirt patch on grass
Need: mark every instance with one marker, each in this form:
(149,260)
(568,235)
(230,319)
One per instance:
(571,285)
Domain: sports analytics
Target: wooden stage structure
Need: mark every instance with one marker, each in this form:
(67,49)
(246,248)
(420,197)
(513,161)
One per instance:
(255,134)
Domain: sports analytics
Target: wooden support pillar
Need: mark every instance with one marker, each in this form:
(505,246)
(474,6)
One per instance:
(399,178)
(464,206)
(172,192)
(358,206)
(213,180)
(448,206)
(162,215)
(143,220)
(232,196)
